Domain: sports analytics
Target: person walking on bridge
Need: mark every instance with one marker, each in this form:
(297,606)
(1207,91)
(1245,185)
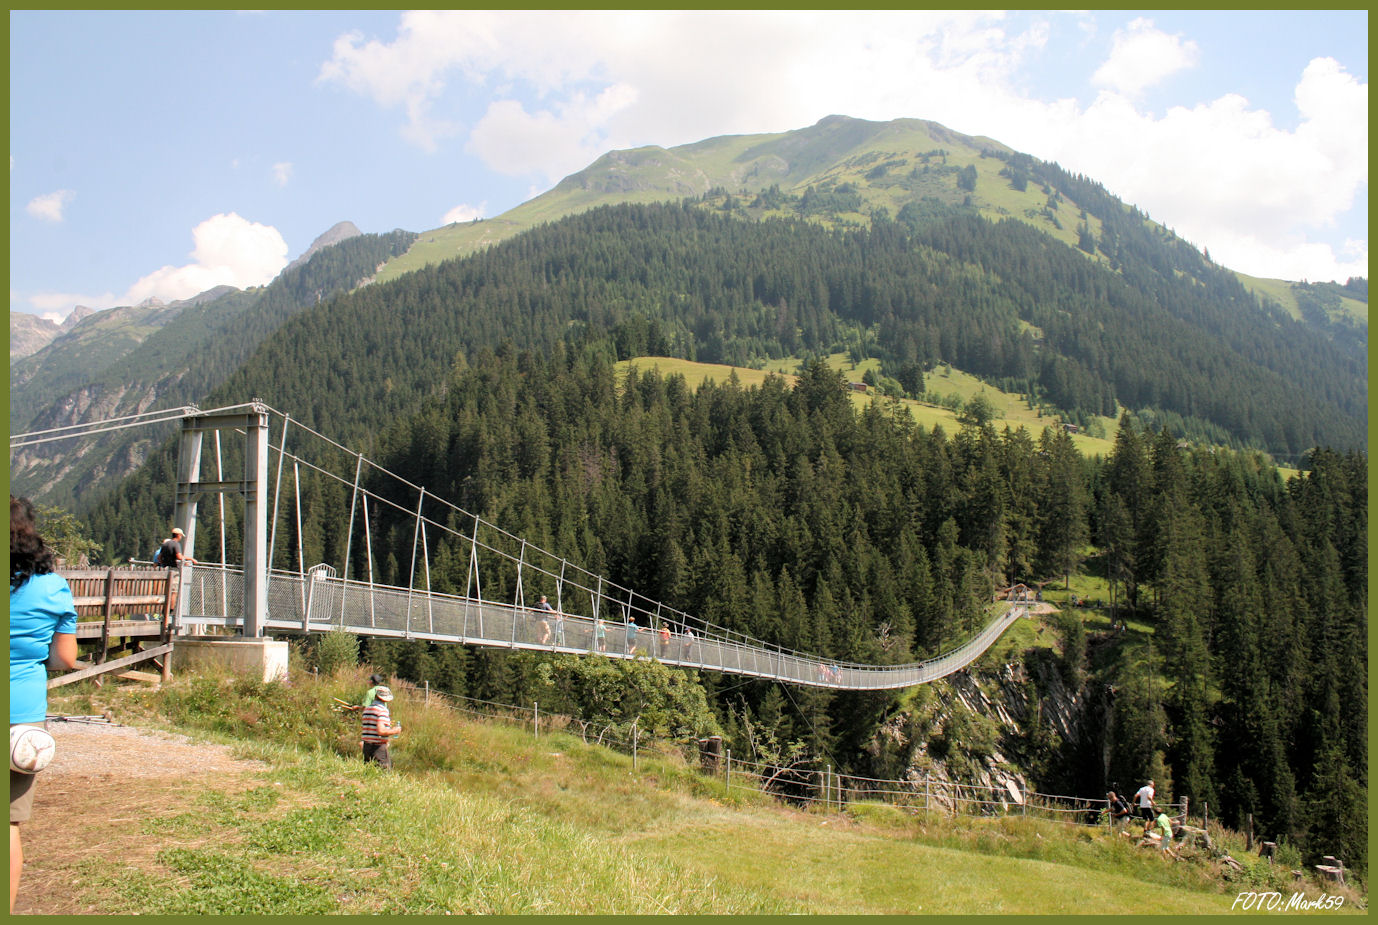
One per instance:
(170,553)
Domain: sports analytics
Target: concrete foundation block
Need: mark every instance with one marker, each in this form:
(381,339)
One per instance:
(259,657)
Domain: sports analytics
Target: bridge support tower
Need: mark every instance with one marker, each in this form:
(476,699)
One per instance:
(253,486)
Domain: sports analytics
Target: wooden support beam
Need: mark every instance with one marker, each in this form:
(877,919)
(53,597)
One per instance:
(82,674)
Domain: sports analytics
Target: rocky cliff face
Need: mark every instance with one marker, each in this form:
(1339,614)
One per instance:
(1001,729)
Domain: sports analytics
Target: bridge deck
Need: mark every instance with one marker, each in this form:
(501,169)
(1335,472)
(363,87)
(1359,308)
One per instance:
(319,604)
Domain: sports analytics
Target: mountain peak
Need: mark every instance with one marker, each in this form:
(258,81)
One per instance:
(340,231)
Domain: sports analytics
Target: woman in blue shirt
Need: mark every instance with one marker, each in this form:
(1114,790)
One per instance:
(43,625)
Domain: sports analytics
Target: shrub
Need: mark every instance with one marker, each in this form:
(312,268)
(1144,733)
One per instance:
(336,649)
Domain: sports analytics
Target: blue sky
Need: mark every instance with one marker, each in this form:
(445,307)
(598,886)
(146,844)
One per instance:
(160,154)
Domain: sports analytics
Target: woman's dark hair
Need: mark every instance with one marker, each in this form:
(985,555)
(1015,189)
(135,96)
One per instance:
(29,555)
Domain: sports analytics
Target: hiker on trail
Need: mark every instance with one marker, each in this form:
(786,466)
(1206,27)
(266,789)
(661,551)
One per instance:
(631,635)
(170,553)
(1164,826)
(1144,797)
(378,728)
(1118,808)
(43,627)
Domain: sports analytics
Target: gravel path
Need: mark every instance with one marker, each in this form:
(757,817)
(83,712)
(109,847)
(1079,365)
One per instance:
(94,803)
(100,751)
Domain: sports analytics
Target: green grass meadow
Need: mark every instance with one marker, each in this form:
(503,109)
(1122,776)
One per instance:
(484,817)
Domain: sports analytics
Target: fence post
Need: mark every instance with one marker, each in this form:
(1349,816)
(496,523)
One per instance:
(925,796)
(727,768)
(428,693)
(1025,789)
(1249,833)
(536,717)
(634,744)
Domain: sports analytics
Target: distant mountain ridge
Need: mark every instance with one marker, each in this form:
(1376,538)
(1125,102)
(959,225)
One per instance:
(154,355)
(904,163)
(30,333)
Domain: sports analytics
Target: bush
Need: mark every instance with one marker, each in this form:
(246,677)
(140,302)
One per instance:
(336,649)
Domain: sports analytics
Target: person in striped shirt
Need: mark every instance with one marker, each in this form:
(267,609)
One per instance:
(378,728)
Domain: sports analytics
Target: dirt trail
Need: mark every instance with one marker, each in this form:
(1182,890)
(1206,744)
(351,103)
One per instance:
(93,801)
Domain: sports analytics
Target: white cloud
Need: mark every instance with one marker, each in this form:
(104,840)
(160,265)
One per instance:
(1224,176)
(282,172)
(49,206)
(1142,56)
(565,87)
(229,251)
(58,305)
(465,213)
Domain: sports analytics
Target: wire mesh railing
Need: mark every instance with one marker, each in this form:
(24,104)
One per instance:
(320,601)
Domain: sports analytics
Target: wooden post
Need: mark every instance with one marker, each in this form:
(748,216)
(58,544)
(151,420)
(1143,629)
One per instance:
(1249,832)
(428,692)
(827,786)
(634,744)
(727,767)
(105,614)
(536,718)
(925,796)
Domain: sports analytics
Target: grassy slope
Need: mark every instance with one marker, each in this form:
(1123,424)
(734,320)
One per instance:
(484,818)
(1011,410)
(1280,291)
(833,152)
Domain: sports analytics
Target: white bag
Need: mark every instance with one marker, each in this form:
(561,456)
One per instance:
(31,748)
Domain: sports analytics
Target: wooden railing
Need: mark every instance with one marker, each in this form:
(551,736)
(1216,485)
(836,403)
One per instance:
(103,596)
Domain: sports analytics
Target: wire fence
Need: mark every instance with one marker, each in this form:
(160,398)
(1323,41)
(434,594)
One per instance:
(804,782)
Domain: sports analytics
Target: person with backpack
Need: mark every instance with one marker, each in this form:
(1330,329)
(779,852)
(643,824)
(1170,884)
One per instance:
(43,627)
(170,553)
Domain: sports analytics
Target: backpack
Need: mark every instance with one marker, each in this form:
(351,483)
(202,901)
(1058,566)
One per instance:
(161,558)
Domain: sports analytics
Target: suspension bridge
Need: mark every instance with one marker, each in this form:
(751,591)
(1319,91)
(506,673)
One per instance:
(508,580)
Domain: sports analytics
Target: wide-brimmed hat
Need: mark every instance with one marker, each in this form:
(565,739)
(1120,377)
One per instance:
(383,693)
(177,531)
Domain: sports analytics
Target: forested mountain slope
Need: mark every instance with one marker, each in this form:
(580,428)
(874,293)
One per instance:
(168,356)
(996,299)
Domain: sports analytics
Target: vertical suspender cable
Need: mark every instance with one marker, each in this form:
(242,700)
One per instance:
(277,492)
(415,537)
(560,587)
(475,576)
(349,536)
(220,496)
(368,551)
(430,601)
(301,560)
(520,599)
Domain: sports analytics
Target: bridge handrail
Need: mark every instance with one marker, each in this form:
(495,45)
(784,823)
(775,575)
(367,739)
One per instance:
(520,629)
